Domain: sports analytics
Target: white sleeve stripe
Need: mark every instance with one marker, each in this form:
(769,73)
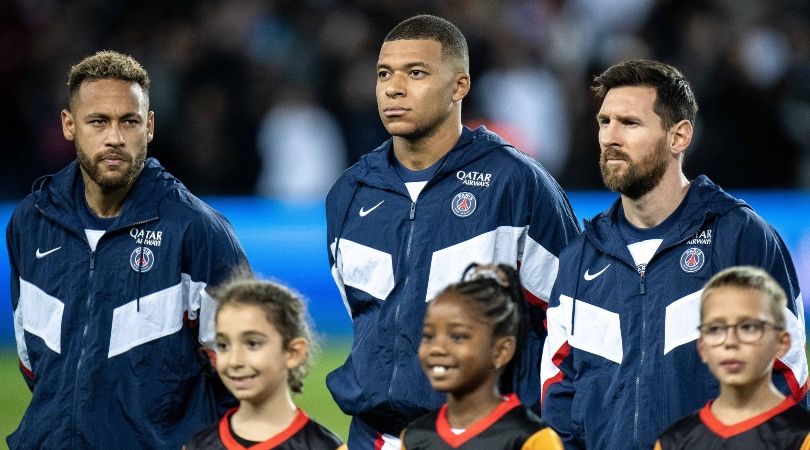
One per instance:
(365,268)
(501,245)
(681,321)
(538,269)
(39,314)
(151,317)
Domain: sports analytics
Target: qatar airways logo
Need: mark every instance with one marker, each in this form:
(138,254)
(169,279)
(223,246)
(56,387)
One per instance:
(146,237)
(474,178)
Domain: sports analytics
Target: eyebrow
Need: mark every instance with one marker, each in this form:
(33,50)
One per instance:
(407,66)
(100,115)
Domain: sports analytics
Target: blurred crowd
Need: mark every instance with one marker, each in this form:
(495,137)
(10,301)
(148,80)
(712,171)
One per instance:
(276,98)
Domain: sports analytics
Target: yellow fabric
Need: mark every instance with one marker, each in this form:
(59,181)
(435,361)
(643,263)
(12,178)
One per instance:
(657,445)
(545,439)
(806,443)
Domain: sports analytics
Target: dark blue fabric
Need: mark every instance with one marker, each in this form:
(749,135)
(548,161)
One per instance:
(158,393)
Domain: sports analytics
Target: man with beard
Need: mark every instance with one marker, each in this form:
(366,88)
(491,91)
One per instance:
(110,261)
(619,364)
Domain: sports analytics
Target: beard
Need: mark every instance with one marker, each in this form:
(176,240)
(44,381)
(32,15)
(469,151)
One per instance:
(640,177)
(107,180)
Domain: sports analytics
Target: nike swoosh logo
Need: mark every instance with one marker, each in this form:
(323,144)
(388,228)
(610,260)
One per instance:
(589,277)
(41,255)
(364,212)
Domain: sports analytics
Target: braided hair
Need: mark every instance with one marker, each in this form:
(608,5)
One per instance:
(496,292)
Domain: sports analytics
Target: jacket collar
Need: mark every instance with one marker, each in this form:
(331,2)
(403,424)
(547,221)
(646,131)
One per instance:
(54,195)
(704,201)
(376,168)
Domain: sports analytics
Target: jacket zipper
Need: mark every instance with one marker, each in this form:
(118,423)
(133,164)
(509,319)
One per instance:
(643,291)
(88,303)
(411,216)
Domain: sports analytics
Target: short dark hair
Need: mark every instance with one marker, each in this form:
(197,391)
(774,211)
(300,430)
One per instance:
(107,65)
(430,27)
(284,309)
(755,279)
(674,99)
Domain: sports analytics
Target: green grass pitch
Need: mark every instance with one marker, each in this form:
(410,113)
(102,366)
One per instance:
(316,400)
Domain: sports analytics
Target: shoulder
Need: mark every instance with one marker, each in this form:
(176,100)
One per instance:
(320,437)
(575,248)
(545,439)
(677,432)
(205,439)
(797,418)
(180,204)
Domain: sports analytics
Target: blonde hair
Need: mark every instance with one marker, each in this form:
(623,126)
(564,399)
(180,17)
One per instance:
(755,279)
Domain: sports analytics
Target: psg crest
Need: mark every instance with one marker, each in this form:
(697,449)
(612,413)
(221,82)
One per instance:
(692,260)
(142,261)
(463,204)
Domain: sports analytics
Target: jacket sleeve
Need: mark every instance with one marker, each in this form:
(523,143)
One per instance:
(336,208)
(760,245)
(551,227)
(12,239)
(557,371)
(211,254)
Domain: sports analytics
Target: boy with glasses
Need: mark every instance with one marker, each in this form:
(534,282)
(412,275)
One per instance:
(742,332)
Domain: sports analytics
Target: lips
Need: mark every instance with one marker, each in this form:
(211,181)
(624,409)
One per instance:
(394,111)
(613,155)
(242,382)
(733,365)
(438,371)
(113,159)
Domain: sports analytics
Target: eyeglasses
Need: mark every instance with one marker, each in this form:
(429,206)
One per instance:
(747,331)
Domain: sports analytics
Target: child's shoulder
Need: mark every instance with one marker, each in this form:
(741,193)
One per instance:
(317,436)
(797,417)
(207,438)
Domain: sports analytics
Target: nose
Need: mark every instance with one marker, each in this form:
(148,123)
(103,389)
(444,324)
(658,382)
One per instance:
(235,356)
(395,87)
(608,135)
(731,337)
(436,348)
(115,137)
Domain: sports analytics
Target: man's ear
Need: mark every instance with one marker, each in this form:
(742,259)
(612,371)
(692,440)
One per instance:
(150,126)
(462,86)
(680,136)
(68,125)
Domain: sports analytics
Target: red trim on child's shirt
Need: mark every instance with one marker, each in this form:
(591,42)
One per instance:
(230,442)
(727,431)
(456,440)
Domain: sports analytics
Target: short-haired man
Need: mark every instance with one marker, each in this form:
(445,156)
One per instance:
(619,364)
(110,259)
(407,219)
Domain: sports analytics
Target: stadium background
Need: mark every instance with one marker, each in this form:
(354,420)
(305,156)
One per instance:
(239,87)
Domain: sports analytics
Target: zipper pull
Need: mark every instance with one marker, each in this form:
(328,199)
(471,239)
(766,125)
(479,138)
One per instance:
(642,285)
(92,260)
(413,210)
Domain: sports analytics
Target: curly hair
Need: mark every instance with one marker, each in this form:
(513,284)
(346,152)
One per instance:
(107,65)
(284,309)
